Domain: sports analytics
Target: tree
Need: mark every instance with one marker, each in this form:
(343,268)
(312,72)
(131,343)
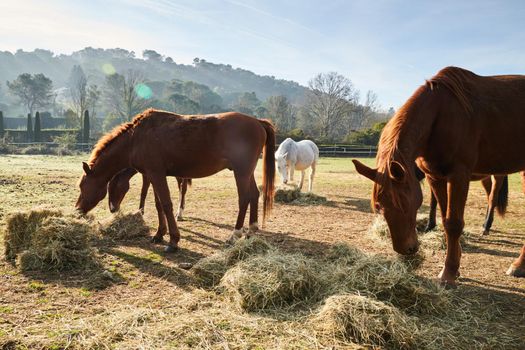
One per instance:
(29,128)
(330,100)
(33,91)
(86,128)
(281,112)
(247,102)
(78,91)
(208,101)
(365,114)
(93,97)
(152,55)
(2,130)
(37,134)
(121,94)
(184,105)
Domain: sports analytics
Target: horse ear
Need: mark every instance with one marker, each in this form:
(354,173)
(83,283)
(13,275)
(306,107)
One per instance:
(397,171)
(365,170)
(86,168)
(285,155)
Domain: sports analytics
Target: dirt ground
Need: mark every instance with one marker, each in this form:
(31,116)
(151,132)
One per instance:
(56,310)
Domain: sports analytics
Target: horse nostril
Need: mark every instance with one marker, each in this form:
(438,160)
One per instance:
(413,250)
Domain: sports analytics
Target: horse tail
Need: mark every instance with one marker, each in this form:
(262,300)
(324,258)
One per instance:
(268,167)
(503,197)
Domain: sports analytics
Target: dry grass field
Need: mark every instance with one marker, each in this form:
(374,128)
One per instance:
(144,300)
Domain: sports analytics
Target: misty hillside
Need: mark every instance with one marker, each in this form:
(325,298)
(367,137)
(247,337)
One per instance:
(221,78)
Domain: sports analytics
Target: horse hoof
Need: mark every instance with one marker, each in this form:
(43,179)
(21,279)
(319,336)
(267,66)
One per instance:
(516,271)
(485,232)
(170,249)
(156,239)
(180,218)
(253,228)
(448,284)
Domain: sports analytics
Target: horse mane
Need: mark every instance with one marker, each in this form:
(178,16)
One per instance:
(458,81)
(106,140)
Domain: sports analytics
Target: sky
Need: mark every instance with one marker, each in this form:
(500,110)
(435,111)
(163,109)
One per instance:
(387,46)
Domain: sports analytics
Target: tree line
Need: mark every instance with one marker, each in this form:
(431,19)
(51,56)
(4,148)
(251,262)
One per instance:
(331,110)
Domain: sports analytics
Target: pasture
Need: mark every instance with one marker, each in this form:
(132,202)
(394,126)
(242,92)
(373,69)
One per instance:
(148,301)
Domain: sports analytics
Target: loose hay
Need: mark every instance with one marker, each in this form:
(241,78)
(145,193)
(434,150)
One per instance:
(367,321)
(209,271)
(44,239)
(273,281)
(124,226)
(292,194)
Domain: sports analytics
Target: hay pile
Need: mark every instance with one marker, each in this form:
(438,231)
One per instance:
(273,281)
(43,239)
(389,280)
(292,194)
(122,226)
(363,320)
(20,229)
(209,271)
(286,194)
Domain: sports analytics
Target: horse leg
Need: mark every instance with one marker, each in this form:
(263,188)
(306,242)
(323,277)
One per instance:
(143,192)
(183,187)
(457,192)
(243,190)
(492,187)
(160,185)
(292,169)
(517,268)
(254,206)
(432,213)
(163,228)
(302,180)
(311,179)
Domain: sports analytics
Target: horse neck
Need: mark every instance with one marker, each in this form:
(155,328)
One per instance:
(114,158)
(413,128)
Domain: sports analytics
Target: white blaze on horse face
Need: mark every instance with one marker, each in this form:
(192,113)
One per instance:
(282,167)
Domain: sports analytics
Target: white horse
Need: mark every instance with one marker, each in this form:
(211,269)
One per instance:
(292,156)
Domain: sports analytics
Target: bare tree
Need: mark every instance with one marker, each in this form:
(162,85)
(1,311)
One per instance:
(330,100)
(93,97)
(78,92)
(121,94)
(364,114)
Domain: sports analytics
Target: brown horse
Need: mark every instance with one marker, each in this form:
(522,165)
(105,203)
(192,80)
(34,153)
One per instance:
(456,125)
(160,144)
(118,187)
(497,189)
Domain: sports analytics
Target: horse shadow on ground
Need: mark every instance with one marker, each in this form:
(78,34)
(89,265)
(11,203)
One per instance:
(356,204)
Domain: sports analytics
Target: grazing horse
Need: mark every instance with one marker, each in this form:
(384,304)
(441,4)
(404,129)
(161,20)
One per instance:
(300,155)
(456,125)
(119,186)
(497,189)
(160,144)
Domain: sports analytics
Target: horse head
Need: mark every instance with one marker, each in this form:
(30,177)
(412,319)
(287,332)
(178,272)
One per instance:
(282,166)
(397,195)
(92,189)
(118,187)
